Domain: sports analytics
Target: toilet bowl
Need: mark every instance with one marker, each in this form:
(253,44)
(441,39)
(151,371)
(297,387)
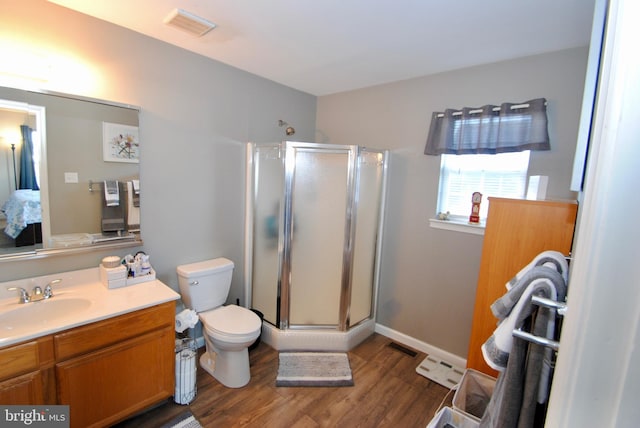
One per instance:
(228,330)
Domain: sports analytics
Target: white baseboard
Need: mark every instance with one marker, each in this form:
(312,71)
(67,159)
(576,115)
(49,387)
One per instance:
(421,346)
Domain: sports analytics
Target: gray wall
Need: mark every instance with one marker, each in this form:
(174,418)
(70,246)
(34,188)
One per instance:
(429,276)
(196,116)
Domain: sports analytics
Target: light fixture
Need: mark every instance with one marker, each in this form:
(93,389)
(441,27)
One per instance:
(289,130)
(189,22)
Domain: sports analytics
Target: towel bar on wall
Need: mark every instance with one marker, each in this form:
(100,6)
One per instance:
(99,184)
(96,183)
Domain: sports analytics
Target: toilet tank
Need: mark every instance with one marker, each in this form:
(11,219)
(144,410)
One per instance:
(205,285)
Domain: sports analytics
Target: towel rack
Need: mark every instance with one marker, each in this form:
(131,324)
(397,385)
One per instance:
(561,309)
(91,183)
(99,184)
(553,344)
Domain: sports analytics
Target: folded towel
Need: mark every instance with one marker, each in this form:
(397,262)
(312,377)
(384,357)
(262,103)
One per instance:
(133,210)
(503,306)
(540,278)
(111,193)
(549,258)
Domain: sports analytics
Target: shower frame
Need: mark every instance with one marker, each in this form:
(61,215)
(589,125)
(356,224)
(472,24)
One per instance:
(286,151)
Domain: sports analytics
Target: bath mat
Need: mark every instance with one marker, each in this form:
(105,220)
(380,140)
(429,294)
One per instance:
(314,369)
(183,420)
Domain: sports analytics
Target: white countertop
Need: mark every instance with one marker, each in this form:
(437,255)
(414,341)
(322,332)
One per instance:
(83,293)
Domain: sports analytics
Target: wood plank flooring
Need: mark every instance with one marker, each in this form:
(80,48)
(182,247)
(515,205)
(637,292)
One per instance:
(387,393)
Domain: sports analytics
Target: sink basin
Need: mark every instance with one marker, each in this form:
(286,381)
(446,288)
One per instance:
(26,316)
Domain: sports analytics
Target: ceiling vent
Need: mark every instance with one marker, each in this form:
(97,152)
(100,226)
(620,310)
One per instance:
(189,22)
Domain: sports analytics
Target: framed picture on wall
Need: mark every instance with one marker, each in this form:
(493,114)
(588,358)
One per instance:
(120,143)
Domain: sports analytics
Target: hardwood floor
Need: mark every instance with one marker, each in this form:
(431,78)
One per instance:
(387,393)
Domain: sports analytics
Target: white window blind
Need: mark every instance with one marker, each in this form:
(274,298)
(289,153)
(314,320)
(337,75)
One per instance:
(500,175)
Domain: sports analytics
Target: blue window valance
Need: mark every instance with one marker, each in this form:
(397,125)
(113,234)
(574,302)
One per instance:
(489,129)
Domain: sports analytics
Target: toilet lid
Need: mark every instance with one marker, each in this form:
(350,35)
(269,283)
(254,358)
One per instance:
(231,319)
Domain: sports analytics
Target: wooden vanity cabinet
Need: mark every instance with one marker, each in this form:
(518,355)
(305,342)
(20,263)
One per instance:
(109,370)
(517,231)
(26,373)
(105,371)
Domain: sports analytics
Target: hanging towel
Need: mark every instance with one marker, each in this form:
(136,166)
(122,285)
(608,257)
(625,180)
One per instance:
(136,192)
(111,193)
(497,348)
(113,212)
(514,400)
(546,258)
(516,286)
(133,210)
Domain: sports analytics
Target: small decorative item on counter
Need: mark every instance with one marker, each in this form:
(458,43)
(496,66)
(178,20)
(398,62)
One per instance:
(476,199)
(114,277)
(111,261)
(143,260)
(138,268)
(443,216)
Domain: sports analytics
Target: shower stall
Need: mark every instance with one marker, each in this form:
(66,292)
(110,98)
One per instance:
(314,226)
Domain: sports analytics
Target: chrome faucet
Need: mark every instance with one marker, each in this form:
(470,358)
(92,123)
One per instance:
(48,292)
(24,296)
(37,293)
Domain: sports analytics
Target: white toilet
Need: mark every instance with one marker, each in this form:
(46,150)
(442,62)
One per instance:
(228,330)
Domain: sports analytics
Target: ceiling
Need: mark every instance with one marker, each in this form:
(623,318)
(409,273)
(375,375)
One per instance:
(327,46)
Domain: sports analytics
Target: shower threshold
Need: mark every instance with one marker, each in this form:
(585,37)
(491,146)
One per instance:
(316,339)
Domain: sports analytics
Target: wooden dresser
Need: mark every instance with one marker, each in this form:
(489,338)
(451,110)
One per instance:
(517,230)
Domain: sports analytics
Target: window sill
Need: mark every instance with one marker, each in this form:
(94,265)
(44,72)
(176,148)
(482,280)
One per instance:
(458,226)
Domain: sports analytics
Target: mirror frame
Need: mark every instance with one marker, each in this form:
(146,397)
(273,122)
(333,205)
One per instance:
(40,113)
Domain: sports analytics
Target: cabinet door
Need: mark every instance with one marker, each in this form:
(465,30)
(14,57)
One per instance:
(516,232)
(25,389)
(106,386)
(26,373)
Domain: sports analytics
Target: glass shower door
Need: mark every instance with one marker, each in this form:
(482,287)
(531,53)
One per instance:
(268,182)
(319,180)
(369,202)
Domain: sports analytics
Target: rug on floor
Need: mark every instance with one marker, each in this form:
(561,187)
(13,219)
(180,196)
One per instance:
(183,420)
(314,369)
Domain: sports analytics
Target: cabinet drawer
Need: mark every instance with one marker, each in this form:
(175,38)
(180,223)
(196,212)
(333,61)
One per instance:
(24,389)
(18,359)
(87,338)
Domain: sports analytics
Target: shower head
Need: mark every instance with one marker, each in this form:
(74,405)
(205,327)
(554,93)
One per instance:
(289,130)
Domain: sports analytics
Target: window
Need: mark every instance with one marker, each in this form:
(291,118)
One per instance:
(502,175)
(484,150)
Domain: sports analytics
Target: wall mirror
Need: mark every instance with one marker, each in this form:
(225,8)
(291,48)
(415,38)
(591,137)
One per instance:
(69,175)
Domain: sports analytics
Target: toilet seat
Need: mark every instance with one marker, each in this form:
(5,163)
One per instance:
(231,321)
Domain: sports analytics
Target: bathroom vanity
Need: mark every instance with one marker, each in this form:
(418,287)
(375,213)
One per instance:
(112,359)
